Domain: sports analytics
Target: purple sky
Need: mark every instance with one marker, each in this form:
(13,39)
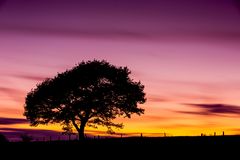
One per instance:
(185,52)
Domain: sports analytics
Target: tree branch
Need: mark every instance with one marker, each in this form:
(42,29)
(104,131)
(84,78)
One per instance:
(75,125)
(80,116)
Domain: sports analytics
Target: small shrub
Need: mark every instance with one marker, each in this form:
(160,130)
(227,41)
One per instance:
(3,139)
(26,138)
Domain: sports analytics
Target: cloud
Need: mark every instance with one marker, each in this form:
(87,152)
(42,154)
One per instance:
(213,109)
(11,111)
(120,33)
(29,131)
(9,90)
(192,112)
(71,32)
(236,130)
(31,77)
(151,118)
(9,121)
(15,94)
(187,83)
(156,99)
(105,20)
(13,134)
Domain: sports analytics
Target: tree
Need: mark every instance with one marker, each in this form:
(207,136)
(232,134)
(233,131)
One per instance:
(90,94)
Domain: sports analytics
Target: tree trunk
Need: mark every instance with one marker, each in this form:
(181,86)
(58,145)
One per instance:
(81,128)
(81,131)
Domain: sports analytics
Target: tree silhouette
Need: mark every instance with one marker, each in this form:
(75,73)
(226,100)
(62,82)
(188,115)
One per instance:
(92,93)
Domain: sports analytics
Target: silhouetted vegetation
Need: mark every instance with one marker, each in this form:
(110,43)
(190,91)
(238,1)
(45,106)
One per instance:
(92,93)
(3,139)
(26,138)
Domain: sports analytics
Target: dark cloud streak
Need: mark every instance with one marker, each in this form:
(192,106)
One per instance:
(194,113)
(10,121)
(13,134)
(30,131)
(213,109)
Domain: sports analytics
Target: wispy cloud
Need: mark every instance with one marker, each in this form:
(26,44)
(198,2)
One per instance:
(15,94)
(151,118)
(31,77)
(11,111)
(236,130)
(113,33)
(213,109)
(71,32)
(9,121)
(156,99)
(8,90)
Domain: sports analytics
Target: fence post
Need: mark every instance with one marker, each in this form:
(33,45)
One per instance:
(223,133)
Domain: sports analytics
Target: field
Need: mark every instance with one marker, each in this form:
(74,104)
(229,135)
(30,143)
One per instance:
(133,147)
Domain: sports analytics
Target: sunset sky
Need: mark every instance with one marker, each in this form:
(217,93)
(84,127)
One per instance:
(186,53)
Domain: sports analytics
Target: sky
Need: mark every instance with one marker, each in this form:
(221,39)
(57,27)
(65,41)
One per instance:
(185,53)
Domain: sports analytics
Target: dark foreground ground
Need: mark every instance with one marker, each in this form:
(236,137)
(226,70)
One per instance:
(131,148)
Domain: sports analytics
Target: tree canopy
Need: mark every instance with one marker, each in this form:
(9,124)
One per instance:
(90,94)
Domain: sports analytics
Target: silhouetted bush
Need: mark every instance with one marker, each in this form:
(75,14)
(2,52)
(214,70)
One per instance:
(26,138)
(3,138)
